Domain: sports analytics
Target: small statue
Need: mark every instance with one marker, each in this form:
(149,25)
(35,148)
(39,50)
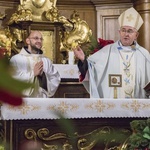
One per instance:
(52,14)
(5,41)
(20,15)
(13,19)
(24,15)
(79,34)
(2,16)
(68,25)
(28,15)
(16,36)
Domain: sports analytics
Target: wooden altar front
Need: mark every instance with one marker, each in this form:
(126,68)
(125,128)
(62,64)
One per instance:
(72,123)
(70,87)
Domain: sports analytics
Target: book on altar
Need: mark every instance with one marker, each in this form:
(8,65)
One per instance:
(147,87)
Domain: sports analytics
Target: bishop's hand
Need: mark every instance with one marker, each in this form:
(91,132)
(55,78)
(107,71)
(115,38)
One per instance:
(78,52)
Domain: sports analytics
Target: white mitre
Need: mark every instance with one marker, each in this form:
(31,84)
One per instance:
(130,17)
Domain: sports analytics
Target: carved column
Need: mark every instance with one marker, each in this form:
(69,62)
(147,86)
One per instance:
(143,7)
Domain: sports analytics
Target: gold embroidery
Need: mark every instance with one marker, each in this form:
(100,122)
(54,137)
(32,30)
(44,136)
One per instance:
(100,106)
(63,107)
(135,105)
(25,108)
(130,17)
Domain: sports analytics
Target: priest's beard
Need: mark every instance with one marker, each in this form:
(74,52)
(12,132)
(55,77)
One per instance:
(35,49)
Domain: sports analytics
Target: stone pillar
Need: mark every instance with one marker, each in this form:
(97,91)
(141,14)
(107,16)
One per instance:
(143,7)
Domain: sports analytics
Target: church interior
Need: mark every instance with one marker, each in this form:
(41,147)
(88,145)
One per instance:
(64,23)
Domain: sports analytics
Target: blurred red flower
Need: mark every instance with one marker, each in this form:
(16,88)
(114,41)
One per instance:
(3,52)
(101,43)
(10,98)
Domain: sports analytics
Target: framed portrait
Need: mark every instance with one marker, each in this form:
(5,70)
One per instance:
(115,80)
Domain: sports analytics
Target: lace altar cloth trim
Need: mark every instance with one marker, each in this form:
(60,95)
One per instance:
(49,108)
(67,71)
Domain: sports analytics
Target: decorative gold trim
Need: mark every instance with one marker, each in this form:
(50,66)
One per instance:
(2,16)
(74,31)
(106,135)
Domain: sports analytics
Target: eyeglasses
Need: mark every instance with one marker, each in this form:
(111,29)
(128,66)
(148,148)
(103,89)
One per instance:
(130,31)
(37,38)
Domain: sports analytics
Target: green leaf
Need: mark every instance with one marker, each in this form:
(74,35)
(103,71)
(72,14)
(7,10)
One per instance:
(9,83)
(146,133)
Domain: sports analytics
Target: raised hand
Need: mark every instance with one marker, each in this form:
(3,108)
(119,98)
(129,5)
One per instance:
(78,52)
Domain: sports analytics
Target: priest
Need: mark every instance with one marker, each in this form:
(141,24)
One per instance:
(30,65)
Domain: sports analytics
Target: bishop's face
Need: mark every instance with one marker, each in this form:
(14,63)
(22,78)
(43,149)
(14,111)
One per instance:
(128,35)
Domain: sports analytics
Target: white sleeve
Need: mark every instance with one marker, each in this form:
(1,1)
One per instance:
(52,76)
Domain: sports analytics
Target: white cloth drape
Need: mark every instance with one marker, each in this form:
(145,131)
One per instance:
(49,108)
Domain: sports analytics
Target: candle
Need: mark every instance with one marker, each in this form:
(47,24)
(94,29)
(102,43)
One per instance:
(71,57)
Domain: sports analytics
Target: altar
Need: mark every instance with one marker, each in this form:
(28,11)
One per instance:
(56,121)
(70,87)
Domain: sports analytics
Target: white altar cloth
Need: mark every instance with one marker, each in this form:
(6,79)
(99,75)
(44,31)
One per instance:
(47,108)
(67,71)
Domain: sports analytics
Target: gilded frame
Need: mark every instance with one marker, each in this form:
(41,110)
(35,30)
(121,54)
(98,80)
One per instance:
(51,36)
(115,80)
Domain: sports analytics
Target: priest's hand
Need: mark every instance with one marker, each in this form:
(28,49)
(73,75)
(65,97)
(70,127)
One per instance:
(78,52)
(38,68)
